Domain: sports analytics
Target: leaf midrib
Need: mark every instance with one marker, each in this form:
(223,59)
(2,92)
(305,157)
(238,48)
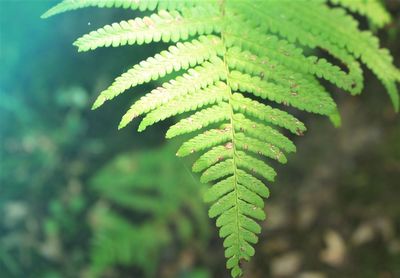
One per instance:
(234,157)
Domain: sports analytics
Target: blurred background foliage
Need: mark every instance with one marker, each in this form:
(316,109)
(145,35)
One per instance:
(80,199)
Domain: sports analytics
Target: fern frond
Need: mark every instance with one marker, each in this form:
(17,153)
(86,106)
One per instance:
(243,63)
(205,140)
(164,26)
(211,157)
(217,171)
(372,9)
(199,120)
(178,57)
(219,189)
(310,100)
(274,52)
(252,183)
(266,113)
(213,94)
(195,79)
(259,147)
(336,29)
(256,166)
(263,132)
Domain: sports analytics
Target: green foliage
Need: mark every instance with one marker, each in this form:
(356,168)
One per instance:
(167,207)
(369,8)
(40,181)
(243,62)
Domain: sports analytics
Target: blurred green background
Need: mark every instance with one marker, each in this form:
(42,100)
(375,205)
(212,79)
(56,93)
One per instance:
(80,199)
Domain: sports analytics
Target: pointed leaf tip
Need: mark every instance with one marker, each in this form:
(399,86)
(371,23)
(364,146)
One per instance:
(125,121)
(98,102)
(396,106)
(141,128)
(121,125)
(48,13)
(336,119)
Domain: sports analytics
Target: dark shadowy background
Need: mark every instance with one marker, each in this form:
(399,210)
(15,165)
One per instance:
(79,198)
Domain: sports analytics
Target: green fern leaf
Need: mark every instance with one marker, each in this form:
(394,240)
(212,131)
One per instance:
(196,79)
(239,64)
(264,133)
(201,119)
(310,100)
(182,56)
(163,26)
(372,9)
(211,157)
(213,94)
